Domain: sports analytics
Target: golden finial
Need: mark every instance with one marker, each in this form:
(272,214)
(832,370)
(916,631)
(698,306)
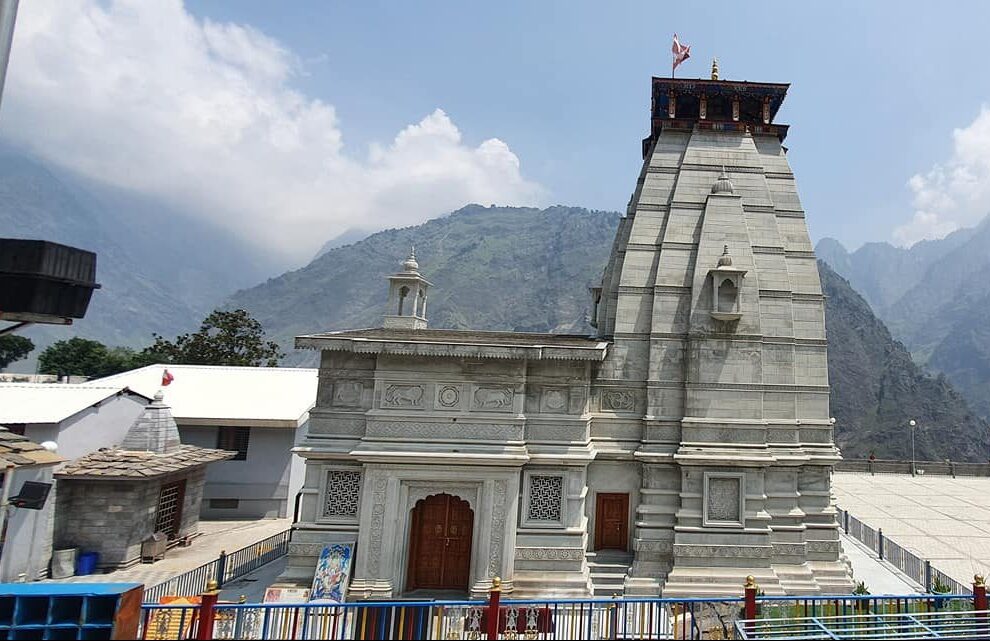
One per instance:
(497,584)
(750,582)
(714,68)
(212,586)
(978,580)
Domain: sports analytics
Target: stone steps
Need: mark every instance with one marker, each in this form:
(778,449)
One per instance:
(608,572)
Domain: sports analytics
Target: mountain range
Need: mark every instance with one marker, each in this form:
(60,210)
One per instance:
(933,296)
(161,270)
(522,269)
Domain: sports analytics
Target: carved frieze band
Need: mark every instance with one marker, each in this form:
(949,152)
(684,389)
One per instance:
(403,396)
(788,549)
(494,398)
(722,551)
(423,430)
(549,554)
(379,485)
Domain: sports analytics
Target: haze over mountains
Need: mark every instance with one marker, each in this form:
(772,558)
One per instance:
(934,297)
(161,270)
(522,269)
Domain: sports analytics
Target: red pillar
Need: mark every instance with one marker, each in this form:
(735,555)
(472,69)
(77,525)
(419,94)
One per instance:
(750,597)
(493,598)
(207,611)
(979,593)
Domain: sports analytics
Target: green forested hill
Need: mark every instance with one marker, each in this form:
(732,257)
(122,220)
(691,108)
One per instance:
(528,270)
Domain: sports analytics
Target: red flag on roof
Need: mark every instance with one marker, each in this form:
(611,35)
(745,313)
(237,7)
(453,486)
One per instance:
(681,53)
(167,378)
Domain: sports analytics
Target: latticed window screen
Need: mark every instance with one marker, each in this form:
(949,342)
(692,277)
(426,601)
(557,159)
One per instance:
(343,493)
(545,495)
(170,508)
(234,439)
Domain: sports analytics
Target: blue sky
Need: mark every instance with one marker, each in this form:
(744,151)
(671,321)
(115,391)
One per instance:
(877,92)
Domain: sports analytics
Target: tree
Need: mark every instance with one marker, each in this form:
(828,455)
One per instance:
(13,348)
(224,338)
(84,357)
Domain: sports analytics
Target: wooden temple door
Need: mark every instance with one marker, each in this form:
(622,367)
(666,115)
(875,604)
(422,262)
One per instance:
(440,544)
(611,521)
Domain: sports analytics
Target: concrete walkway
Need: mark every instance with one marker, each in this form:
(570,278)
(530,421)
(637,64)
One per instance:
(943,519)
(216,536)
(879,576)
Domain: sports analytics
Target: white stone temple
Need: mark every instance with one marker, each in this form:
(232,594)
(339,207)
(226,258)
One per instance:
(685,446)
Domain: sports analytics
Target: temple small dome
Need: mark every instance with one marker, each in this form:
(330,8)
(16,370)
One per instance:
(410,264)
(722,184)
(725,260)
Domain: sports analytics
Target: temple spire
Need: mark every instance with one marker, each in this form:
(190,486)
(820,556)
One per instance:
(714,68)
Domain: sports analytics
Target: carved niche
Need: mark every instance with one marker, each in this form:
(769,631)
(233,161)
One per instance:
(497,398)
(555,399)
(723,498)
(403,396)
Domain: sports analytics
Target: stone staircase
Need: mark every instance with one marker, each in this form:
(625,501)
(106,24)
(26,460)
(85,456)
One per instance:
(608,569)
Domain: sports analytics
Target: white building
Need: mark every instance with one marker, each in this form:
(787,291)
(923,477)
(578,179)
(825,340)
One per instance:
(256,411)
(80,419)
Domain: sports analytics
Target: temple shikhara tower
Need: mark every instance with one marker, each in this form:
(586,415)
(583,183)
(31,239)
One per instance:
(685,446)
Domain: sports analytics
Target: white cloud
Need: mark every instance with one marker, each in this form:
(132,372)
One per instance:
(143,95)
(955,194)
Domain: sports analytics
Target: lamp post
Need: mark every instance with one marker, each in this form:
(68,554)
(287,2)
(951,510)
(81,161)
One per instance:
(912,423)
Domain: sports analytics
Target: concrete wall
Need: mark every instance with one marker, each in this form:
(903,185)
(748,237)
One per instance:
(29,544)
(103,425)
(28,547)
(260,484)
(115,517)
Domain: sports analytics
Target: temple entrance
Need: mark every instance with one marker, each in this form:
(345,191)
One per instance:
(611,521)
(440,544)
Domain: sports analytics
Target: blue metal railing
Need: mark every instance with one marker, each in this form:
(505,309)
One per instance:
(223,569)
(628,618)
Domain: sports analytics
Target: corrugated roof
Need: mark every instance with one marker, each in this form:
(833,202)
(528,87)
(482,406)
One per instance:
(50,402)
(19,451)
(206,394)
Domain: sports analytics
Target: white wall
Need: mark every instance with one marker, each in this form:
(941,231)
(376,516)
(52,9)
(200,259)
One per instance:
(260,483)
(28,547)
(29,532)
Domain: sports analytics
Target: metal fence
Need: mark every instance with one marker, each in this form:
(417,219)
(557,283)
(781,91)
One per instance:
(971,624)
(931,468)
(628,618)
(918,569)
(223,569)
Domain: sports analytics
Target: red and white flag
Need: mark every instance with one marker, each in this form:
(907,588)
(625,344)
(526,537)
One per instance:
(167,378)
(681,53)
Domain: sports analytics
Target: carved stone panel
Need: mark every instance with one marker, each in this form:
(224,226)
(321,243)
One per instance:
(449,397)
(555,400)
(723,498)
(496,398)
(347,393)
(619,400)
(403,396)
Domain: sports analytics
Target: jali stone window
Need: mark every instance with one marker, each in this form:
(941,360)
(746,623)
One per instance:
(545,496)
(343,494)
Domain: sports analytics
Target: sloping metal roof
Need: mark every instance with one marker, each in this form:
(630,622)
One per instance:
(50,402)
(215,395)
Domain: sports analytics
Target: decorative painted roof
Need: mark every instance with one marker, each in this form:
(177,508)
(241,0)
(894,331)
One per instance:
(457,343)
(19,451)
(53,402)
(233,396)
(151,448)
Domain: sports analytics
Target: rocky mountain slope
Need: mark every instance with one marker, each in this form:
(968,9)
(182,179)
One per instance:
(877,389)
(161,271)
(529,270)
(933,297)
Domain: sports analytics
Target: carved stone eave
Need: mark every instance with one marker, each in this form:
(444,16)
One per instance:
(595,352)
(406,456)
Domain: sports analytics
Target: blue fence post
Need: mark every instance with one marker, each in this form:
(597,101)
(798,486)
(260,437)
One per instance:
(221,567)
(880,543)
(928,576)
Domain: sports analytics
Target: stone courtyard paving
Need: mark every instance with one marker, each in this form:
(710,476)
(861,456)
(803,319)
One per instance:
(216,536)
(943,519)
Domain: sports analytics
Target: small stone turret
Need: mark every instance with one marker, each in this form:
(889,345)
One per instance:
(407,297)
